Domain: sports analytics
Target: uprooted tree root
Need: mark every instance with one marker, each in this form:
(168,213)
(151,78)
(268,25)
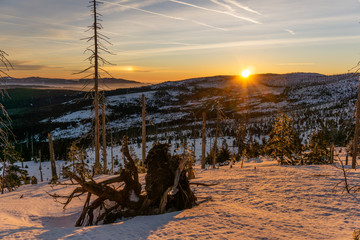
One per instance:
(167,188)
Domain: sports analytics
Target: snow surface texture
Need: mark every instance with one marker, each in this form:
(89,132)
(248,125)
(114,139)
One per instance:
(260,201)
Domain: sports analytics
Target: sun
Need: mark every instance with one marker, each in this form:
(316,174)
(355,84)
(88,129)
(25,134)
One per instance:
(245,73)
(129,68)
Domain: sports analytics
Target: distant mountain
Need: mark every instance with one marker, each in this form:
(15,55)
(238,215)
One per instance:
(58,83)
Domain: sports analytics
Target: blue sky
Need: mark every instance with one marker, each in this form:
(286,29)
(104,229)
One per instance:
(159,40)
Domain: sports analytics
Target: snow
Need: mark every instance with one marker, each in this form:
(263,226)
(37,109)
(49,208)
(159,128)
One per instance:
(128,98)
(74,116)
(260,201)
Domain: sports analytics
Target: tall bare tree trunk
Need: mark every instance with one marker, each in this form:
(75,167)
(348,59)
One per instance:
(356,134)
(32,146)
(3,173)
(54,177)
(96,97)
(332,153)
(104,133)
(112,152)
(143,130)
(216,137)
(203,141)
(40,168)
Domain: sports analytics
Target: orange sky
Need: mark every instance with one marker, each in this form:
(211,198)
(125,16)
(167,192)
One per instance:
(158,40)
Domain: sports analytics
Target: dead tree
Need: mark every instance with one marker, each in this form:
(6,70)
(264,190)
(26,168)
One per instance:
(40,168)
(167,188)
(103,115)
(332,153)
(216,136)
(96,61)
(203,141)
(167,185)
(3,173)
(356,133)
(5,121)
(112,152)
(143,129)
(54,177)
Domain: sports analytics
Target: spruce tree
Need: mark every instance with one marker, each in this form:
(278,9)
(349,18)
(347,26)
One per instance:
(224,153)
(284,144)
(240,138)
(319,154)
(12,175)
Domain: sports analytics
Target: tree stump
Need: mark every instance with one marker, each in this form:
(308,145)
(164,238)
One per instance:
(167,188)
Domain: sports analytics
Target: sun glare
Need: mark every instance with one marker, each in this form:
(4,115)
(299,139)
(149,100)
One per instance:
(245,73)
(129,68)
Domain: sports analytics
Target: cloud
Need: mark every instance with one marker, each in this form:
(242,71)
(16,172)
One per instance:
(289,31)
(250,43)
(25,66)
(216,11)
(296,64)
(132,69)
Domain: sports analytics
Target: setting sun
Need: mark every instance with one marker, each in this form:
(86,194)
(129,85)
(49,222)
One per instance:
(245,73)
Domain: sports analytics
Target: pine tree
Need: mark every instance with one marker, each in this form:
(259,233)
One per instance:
(12,176)
(319,154)
(284,144)
(240,138)
(224,153)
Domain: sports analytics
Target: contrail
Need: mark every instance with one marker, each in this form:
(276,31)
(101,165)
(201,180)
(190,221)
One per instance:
(146,11)
(217,11)
(209,26)
(166,16)
(243,7)
(223,5)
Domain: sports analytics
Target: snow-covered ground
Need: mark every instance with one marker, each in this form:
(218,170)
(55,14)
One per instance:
(260,201)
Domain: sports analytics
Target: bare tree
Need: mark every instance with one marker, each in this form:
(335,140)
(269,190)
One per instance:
(356,133)
(54,177)
(103,115)
(96,61)
(5,120)
(203,141)
(143,149)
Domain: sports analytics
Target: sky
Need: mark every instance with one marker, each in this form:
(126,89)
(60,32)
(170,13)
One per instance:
(164,40)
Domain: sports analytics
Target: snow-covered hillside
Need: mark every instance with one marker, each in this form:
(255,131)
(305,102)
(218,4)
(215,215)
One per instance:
(260,201)
(265,96)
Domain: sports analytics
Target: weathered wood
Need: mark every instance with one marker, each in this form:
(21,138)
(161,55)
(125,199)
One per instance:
(143,129)
(164,200)
(40,168)
(3,173)
(356,133)
(203,184)
(332,152)
(203,141)
(103,115)
(167,187)
(96,89)
(54,177)
(112,152)
(216,137)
